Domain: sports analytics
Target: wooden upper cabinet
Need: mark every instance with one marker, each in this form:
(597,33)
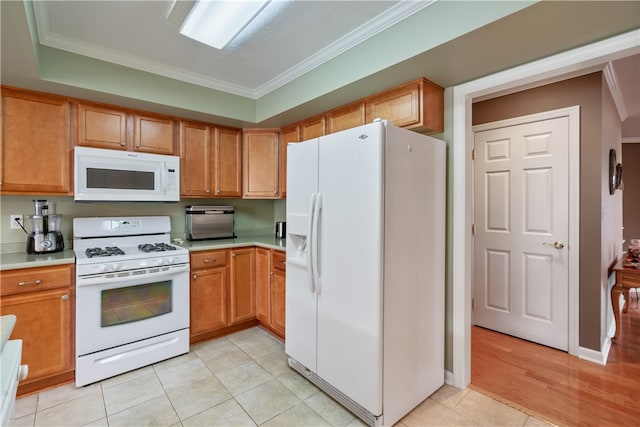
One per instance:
(416,105)
(154,134)
(312,128)
(227,168)
(102,127)
(35,144)
(195,152)
(288,135)
(347,117)
(260,165)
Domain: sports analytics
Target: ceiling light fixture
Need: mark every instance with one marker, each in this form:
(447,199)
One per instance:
(216,23)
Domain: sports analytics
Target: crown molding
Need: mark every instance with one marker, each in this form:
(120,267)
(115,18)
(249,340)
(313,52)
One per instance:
(614,89)
(392,16)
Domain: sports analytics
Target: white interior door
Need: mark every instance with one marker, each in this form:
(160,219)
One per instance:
(521,276)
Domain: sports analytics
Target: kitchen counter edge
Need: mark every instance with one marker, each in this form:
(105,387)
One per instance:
(18,260)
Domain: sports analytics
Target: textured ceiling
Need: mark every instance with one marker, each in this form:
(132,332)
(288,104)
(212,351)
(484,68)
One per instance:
(285,40)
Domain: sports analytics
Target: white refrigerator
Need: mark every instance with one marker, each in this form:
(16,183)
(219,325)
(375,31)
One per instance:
(365,267)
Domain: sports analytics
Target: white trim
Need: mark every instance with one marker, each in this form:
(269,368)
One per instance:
(614,88)
(631,140)
(555,67)
(599,357)
(448,377)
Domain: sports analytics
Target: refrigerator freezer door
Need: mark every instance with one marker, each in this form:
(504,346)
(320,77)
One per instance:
(350,263)
(301,304)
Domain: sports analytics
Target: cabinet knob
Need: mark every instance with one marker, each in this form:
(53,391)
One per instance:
(208,191)
(233,254)
(195,276)
(138,145)
(210,260)
(218,191)
(275,191)
(64,297)
(32,282)
(271,273)
(122,144)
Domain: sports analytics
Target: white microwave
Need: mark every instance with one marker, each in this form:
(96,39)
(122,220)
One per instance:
(114,175)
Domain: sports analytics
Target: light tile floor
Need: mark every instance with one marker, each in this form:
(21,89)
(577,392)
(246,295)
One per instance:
(239,380)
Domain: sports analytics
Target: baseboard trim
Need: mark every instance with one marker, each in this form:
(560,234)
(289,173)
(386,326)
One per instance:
(599,357)
(448,377)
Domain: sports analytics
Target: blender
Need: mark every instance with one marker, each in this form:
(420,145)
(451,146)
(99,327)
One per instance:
(44,235)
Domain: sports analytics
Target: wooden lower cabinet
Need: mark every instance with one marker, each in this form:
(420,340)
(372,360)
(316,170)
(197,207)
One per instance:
(42,300)
(270,289)
(222,292)
(242,292)
(209,295)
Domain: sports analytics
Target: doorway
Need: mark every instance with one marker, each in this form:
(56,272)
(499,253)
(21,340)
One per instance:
(522,183)
(575,62)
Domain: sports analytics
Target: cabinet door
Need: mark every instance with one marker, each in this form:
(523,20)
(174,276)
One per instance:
(312,128)
(35,144)
(154,134)
(195,176)
(228,162)
(44,324)
(347,117)
(400,106)
(242,296)
(278,298)
(262,285)
(260,163)
(102,127)
(208,300)
(288,135)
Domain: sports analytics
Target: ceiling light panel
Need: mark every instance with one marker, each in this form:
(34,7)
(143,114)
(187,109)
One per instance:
(216,23)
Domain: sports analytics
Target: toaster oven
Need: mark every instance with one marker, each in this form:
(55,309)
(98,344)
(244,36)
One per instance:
(209,222)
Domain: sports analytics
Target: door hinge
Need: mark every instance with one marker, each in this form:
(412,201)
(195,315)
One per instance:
(473,154)
(473,304)
(473,229)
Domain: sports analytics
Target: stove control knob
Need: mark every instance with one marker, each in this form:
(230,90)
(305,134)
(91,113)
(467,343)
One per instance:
(102,268)
(115,266)
(170,260)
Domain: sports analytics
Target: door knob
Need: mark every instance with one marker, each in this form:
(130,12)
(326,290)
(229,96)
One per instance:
(557,245)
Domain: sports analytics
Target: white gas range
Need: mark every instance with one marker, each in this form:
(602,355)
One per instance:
(132,295)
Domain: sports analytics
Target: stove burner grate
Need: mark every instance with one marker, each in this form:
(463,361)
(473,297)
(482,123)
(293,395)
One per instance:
(156,247)
(107,251)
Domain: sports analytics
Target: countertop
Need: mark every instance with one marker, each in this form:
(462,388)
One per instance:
(16,260)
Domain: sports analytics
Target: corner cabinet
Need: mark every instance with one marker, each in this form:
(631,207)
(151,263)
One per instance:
(242,293)
(42,300)
(35,145)
(271,289)
(260,163)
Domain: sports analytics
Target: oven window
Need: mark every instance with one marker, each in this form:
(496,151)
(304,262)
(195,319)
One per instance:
(119,179)
(134,303)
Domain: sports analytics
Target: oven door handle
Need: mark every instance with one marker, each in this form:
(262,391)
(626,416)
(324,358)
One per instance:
(102,279)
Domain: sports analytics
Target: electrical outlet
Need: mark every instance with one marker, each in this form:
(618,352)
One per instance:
(14,224)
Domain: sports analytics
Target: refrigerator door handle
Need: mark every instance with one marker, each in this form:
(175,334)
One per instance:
(316,242)
(312,204)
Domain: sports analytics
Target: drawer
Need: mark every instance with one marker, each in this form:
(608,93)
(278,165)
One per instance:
(35,279)
(208,259)
(629,279)
(279,260)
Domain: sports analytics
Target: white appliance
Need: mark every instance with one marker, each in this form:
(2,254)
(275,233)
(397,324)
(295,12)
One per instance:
(365,267)
(132,295)
(115,175)
(11,371)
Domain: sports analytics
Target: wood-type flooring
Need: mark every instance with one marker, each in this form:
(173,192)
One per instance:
(557,387)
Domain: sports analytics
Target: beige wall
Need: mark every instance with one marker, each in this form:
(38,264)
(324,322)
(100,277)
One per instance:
(587,92)
(631,192)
